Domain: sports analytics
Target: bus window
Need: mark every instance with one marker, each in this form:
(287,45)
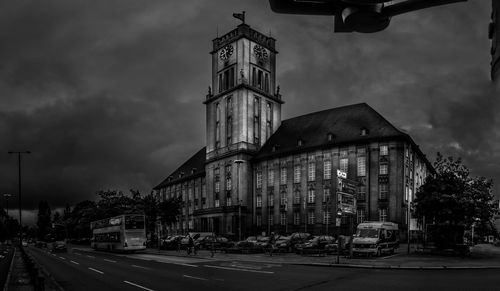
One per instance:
(134,222)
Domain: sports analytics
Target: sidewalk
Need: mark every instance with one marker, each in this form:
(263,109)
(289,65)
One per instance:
(482,257)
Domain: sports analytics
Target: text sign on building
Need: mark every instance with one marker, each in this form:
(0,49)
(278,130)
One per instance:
(346,186)
(346,202)
(341,174)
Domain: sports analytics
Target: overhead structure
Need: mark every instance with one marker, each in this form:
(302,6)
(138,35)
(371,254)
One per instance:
(355,15)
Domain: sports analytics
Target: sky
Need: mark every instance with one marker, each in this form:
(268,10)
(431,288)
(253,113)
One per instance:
(108,94)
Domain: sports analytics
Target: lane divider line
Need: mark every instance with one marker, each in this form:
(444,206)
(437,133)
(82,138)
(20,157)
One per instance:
(77,254)
(187,265)
(137,285)
(97,271)
(236,269)
(90,256)
(140,267)
(196,278)
(75,263)
(62,258)
(111,261)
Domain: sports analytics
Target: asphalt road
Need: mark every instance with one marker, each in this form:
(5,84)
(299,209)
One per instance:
(6,253)
(82,270)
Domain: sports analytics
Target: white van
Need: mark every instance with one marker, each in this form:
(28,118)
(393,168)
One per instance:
(375,238)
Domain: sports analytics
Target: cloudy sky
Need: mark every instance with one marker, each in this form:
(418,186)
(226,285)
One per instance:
(108,94)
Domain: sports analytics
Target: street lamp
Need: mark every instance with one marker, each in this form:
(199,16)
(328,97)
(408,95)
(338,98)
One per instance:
(19,153)
(238,162)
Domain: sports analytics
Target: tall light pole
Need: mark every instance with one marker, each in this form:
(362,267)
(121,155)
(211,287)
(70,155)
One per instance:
(19,153)
(238,162)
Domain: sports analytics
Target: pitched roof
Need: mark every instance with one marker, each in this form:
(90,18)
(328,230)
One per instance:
(193,167)
(345,124)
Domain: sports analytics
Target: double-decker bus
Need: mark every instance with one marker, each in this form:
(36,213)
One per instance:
(125,232)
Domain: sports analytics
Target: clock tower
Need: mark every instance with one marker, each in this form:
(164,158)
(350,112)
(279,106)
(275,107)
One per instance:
(243,109)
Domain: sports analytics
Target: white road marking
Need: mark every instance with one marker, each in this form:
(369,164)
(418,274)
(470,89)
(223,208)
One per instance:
(187,265)
(75,263)
(390,256)
(111,261)
(100,272)
(196,278)
(140,267)
(54,255)
(77,254)
(90,256)
(62,258)
(137,285)
(236,269)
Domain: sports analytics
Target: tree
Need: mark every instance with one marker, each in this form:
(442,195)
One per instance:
(451,197)
(168,210)
(44,219)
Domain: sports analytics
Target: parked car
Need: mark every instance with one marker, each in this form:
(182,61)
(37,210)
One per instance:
(218,242)
(244,246)
(59,246)
(284,243)
(171,242)
(316,243)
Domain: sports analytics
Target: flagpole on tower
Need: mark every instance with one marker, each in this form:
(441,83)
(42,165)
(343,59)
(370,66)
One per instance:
(240,16)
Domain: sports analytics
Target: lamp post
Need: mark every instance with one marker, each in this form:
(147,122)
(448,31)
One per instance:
(408,205)
(238,162)
(19,153)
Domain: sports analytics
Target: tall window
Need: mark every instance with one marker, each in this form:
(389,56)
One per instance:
(296,174)
(343,164)
(217,201)
(256,120)
(383,169)
(229,184)
(360,215)
(270,177)
(326,194)
(311,170)
(270,199)
(311,195)
(283,218)
(326,217)
(311,217)
(258,220)
(283,175)
(296,197)
(384,150)
(296,218)
(217,125)
(269,119)
(361,192)
(283,199)
(382,214)
(327,169)
(228,200)
(271,219)
(259,201)
(226,79)
(258,178)
(383,190)
(361,161)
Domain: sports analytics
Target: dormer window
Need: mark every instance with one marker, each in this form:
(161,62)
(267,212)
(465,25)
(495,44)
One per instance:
(193,170)
(329,136)
(276,147)
(300,142)
(364,131)
(181,174)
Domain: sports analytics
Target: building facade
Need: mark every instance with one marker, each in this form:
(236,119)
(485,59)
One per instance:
(259,174)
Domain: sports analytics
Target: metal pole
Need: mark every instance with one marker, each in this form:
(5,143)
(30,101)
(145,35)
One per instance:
(20,205)
(326,215)
(408,225)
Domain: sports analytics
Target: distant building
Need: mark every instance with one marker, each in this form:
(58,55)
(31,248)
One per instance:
(278,175)
(494,35)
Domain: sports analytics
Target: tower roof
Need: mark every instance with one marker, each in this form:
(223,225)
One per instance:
(244,30)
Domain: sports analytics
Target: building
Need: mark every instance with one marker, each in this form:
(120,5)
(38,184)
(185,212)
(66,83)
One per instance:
(494,35)
(259,174)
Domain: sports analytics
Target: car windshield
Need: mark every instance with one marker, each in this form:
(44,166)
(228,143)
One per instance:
(367,232)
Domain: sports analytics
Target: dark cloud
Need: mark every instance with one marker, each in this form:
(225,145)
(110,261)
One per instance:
(109,94)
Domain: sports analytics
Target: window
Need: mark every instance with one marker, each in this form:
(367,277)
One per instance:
(406,192)
(311,195)
(217,125)
(228,201)
(382,213)
(259,201)
(229,129)
(296,197)
(296,174)
(283,176)
(270,177)
(256,120)
(360,215)
(383,169)
(283,198)
(296,218)
(258,178)
(326,194)
(258,219)
(217,185)
(283,218)
(343,164)
(327,169)
(229,184)
(271,219)
(326,217)
(270,200)
(384,150)
(361,161)
(269,118)
(383,189)
(226,79)
(361,192)
(311,171)
(217,202)
(310,217)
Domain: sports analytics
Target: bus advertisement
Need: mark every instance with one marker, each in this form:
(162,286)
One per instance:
(120,233)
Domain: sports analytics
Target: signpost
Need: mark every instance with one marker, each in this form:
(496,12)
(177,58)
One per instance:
(346,201)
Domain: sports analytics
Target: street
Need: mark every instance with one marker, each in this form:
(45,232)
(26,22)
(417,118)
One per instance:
(84,270)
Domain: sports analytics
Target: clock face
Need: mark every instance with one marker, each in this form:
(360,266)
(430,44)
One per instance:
(260,52)
(226,52)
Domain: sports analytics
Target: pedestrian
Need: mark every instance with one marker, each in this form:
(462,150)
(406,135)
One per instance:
(272,243)
(190,246)
(178,241)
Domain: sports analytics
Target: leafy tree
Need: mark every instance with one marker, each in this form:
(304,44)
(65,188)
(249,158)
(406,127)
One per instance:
(451,197)
(168,210)
(44,219)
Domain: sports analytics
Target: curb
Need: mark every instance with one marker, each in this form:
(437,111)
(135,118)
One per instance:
(7,280)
